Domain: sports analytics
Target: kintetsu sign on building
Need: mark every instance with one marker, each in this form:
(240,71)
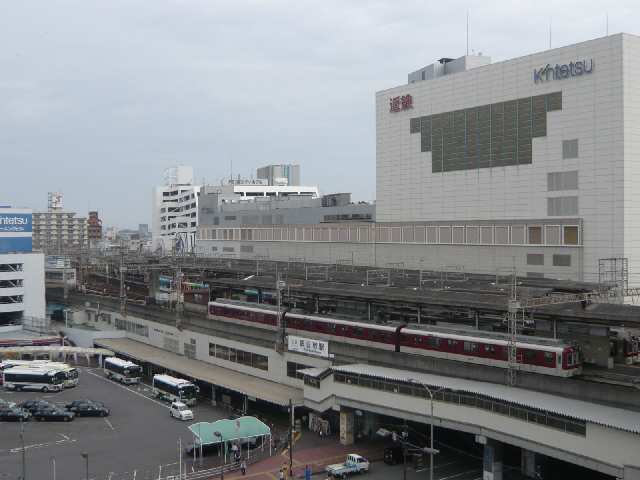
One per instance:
(398,104)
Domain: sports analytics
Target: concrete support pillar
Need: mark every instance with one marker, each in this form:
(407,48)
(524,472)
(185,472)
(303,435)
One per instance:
(213,395)
(370,424)
(492,460)
(100,359)
(347,426)
(75,358)
(528,463)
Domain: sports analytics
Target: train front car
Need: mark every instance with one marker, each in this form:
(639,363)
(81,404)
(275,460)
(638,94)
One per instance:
(242,313)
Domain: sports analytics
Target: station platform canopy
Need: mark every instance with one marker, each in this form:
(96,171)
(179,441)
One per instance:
(225,430)
(258,388)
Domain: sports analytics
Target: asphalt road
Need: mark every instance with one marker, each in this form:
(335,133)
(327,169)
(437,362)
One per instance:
(449,465)
(133,443)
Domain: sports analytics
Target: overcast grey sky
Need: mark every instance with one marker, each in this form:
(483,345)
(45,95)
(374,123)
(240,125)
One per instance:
(97,98)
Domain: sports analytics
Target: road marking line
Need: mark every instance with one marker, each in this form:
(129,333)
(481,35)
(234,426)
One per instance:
(459,474)
(106,420)
(435,467)
(130,390)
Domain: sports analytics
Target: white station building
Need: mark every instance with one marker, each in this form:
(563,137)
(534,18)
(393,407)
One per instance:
(530,162)
(21,269)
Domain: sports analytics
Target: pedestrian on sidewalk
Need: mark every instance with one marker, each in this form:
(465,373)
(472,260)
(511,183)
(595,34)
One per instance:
(281,474)
(243,467)
(307,472)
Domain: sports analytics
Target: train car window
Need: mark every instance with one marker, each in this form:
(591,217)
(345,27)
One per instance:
(490,349)
(433,342)
(470,347)
(332,327)
(529,356)
(452,343)
(358,331)
(548,358)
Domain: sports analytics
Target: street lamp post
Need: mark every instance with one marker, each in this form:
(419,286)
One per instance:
(431,450)
(219,435)
(85,455)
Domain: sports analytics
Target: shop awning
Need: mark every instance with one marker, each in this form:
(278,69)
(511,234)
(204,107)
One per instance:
(249,385)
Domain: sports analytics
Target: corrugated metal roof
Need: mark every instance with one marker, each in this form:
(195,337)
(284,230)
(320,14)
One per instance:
(621,419)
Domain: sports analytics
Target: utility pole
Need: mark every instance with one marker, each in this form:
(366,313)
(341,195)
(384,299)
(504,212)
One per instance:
(514,306)
(291,438)
(24,458)
(179,304)
(123,287)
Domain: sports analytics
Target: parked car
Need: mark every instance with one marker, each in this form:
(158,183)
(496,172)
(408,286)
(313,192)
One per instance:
(6,403)
(87,408)
(180,411)
(353,464)
(53,414)
(33,405)
(70,405)
(13,414)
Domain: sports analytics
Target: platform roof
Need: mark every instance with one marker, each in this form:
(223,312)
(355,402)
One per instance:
(237,381)
(618,418)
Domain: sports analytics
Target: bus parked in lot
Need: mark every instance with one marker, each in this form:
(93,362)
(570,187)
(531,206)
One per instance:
(174,389)
(122,370)
(44,379)
(71,373)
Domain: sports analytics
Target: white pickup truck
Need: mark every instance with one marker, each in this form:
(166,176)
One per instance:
(353,464)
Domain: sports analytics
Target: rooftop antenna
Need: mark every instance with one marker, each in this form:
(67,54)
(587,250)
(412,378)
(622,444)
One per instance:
(467,32)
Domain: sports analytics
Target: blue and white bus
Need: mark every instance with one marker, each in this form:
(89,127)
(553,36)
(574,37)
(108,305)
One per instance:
(71,373)
(45,379)
(174,389)
(122,370)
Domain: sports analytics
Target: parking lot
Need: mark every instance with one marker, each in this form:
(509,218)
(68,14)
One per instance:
(138,441)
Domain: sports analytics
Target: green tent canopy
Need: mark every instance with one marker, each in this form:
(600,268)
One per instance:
(230,430)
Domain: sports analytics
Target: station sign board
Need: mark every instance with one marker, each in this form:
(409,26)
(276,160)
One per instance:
(308,346)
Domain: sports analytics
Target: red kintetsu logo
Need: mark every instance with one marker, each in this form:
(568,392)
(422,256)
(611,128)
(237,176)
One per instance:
(397,104)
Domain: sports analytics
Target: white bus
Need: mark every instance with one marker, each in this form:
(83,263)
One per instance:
(174,389)
(45,379)
(71,373)
(122,370)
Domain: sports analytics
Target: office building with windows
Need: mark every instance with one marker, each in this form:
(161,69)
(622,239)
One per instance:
(529,163)
(21,269)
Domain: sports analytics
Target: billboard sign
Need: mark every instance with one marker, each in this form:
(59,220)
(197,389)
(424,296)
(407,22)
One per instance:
(309,346)
(15,222)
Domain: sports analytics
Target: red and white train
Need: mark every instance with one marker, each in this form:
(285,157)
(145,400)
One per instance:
(535,354)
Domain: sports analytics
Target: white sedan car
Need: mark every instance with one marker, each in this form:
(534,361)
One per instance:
(180,411)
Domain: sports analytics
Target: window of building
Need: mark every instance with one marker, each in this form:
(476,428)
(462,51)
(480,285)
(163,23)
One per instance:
(498,134)
(292,370)
(571,235)
(562,181)
(518,234)
(230,217)
(486,235)
(473,235)
(562,206)
(535,235)
(570,148)
(457,234)
(246,248)
(535,259)
(535,275)
(561,260)
(432,234)
(552,234)
(502,235)
(445,235)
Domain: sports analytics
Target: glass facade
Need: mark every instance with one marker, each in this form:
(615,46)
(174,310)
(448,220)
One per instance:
(494,135)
